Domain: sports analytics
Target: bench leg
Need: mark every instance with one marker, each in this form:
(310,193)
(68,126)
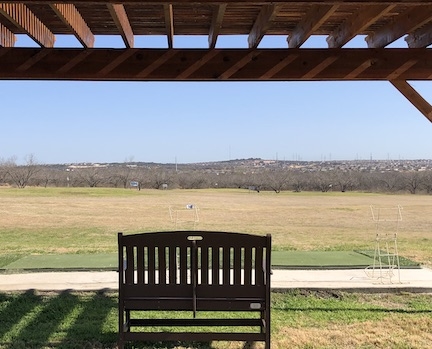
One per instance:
(127,320)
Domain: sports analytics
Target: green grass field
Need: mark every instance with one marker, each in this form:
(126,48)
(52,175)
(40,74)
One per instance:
(280,260)
(68,221)
(77,228)
(300,320)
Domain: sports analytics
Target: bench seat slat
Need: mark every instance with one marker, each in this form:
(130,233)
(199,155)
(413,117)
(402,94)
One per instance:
(193,336)
(202,291)
(196,322)
(202,305)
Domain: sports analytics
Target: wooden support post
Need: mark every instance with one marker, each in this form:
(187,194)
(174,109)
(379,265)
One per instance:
(414,97)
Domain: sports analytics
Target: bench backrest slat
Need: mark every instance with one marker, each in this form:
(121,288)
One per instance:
(140,264)
(215,266)
(248,266)
(237,265)
(165,258)
(204,265)
(259,264)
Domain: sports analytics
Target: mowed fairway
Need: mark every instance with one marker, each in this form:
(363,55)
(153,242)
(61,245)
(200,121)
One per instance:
(76,220)
(86,220)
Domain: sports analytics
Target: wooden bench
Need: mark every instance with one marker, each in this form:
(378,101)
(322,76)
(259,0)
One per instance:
(212,272)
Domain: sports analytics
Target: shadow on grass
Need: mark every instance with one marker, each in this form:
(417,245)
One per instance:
(56,320)
(66,320)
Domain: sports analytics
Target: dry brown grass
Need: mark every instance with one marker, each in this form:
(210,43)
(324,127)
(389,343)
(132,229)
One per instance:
(390,332)
(57,219)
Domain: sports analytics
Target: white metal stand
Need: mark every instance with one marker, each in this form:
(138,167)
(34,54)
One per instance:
(186,216)
(386,266)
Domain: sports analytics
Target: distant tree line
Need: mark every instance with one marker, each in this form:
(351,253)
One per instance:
(165,177)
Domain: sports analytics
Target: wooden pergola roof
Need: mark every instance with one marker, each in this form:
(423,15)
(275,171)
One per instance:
(380,22)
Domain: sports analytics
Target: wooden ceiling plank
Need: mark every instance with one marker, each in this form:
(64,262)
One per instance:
(7,38)
(262,24)
(238,65)
(20,15)
(120,17)
(70,16)
(197,64)
(404,23)
(320,67)
(169,24)
(414,97)
(356,24)
(313,20)
(216,24)
(278,67)
(421,37)
(402,69)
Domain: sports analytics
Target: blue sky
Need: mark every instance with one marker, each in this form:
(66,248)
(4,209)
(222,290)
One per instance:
(65,122)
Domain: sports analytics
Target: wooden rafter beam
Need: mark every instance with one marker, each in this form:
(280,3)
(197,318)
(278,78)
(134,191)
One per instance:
(73,62)
(120,17)
(20,15)
(272,71)
(414,97)
(115,62)
(406,22)
(260,2)
(7,38)
(357,24)
(169,24)
(69,14)
(352,75)
(262,23)
(31,61)
(315,17)
(197,65)
(217,64)
(155,63)
(312,73)
(422,37)
(238,65)
(216,24)
(402,69)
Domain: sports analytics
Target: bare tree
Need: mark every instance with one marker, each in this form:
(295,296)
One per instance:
(157,177)
(20,175)
(91,176)
(123,175)
(344,180)
(3,171)
(391,181)
(412,181)
(193,180)
(427,181)
(277,180)
(323,181)
(43,177)
(300,181)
